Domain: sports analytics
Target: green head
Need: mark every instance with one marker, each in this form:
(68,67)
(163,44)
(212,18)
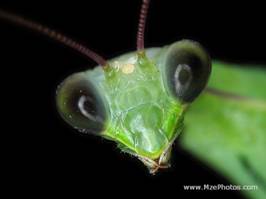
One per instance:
(137,100)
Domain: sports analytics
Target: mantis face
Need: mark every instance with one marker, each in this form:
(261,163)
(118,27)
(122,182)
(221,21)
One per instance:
(138,100)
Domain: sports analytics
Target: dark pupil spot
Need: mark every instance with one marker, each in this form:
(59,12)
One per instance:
(83,102)
(86,107)
(183,76)
(89,106)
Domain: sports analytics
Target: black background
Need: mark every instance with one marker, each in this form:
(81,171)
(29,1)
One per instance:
(44,153)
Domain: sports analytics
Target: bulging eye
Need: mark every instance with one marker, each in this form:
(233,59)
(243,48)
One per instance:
(80,104)
(186,69)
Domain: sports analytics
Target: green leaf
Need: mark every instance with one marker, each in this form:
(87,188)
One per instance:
(227,129)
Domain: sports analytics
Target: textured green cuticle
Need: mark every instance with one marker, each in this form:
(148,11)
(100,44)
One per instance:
(143,117)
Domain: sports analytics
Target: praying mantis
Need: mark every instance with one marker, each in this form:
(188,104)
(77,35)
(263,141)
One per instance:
(143,100)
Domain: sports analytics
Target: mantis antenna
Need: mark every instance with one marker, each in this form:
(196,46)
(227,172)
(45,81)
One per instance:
(61,38)
(142,23)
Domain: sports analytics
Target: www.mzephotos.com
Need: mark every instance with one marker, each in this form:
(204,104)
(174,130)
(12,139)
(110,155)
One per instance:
(220,187)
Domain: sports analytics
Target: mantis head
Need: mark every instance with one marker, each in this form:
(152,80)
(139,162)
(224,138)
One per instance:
(137,100)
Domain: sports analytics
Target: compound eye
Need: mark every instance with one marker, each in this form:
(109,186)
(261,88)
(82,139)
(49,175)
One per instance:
(182,78)
(187,69)
(80,104)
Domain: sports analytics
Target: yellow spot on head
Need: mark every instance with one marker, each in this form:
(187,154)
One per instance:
(128,68)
